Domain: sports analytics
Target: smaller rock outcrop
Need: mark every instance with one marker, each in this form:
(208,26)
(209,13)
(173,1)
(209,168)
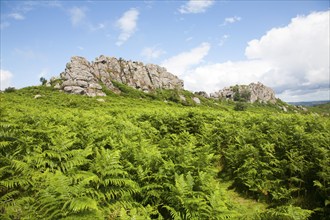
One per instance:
(254,92)
(79,78)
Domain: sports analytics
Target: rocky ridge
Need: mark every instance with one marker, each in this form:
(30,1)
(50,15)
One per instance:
(254,92)
(89,78)
(92,78)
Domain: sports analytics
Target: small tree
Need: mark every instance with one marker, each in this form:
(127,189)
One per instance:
(242,96)
(43,80)
(245,95)
(237,96)
(240,106)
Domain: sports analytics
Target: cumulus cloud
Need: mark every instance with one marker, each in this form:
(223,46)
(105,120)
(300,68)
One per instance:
(180,63)
(5,79)
(77,15)
(212,77)
(299,50)
(195,6)
(127,24)
(293,60)
(152,52)
(231,20)
(79,18)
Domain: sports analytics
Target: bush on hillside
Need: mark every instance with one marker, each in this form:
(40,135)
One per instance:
(10,89)
(240,106)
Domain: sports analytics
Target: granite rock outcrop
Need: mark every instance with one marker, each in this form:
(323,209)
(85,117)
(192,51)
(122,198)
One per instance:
(254,92)
(89,78)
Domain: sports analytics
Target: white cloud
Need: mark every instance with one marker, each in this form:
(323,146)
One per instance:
(97,27)
(149,4)
(231,20)
(293,60)
(5,79)
(223,39)
(79,18)
(16,16)
(299,50)
(127,25)
(26,6)
(213,77)
(180,63)
(152,52)
(22,8)
(77,15)
(195,6)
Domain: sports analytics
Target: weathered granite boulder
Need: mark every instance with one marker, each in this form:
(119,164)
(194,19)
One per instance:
(182,98)
(251,93)
(83,77)
(196,100)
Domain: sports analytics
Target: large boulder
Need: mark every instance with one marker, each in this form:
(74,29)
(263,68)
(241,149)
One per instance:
(83,77)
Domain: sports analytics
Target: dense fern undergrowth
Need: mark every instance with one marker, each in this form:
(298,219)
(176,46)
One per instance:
(73,157)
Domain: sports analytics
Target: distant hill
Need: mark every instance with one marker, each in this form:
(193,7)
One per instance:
(310,103)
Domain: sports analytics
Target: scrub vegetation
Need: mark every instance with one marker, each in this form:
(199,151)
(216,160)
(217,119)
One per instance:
(134,156)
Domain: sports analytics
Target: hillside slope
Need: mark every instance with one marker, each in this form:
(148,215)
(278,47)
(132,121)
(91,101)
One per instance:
(67,156)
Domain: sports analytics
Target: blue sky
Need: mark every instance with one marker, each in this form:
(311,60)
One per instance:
(208,44)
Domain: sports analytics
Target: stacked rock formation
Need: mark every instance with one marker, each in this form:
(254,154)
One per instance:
(89,78)
(257,92)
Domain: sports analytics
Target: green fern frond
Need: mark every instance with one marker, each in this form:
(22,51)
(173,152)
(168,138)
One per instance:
(14,182)
(174,214)
(8,197)
(83,203)
(287,212)
(20,165)
(152,186)
(85,178)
